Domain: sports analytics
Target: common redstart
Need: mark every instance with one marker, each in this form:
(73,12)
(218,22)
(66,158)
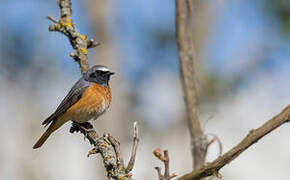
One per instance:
(88,99)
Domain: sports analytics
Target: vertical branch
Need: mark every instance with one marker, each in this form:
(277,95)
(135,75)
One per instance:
(187,59)
(79,42)
(134,148)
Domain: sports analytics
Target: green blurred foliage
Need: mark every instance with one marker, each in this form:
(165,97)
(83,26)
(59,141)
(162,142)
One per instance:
(281,9)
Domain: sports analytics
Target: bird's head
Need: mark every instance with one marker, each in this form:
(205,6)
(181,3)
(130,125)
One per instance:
(99,74)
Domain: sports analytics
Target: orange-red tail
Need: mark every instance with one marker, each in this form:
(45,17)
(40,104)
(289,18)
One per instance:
(53,126)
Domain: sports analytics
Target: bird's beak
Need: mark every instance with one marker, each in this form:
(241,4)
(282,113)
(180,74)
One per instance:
(111,73)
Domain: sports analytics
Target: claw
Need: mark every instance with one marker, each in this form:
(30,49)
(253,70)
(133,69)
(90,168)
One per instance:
(86,129)
(93,151)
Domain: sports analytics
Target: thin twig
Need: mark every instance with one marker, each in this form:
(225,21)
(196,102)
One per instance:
(54,20)
(160,176)
(252,137)
(215,139)
(134,148)
(165,159)
(92,43)
(166,163)
(79,42)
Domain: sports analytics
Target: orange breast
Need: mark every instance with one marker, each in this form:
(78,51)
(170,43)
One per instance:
(93,103)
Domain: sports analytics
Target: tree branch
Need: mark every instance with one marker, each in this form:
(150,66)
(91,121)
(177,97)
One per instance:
(253,137)
(107,145)
(165,159)
(188,78)
(109,148)
(214,139)
(134,148)
(79,42)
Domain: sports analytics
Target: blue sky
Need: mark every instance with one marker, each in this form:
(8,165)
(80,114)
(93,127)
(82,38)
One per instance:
(239,29)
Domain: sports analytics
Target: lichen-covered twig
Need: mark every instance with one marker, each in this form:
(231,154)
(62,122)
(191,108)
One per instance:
(109,149)
(79,42)
(103,146)
(253,137)
(165,159)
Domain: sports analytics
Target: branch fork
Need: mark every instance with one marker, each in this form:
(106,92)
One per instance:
(79,42)
(109,148)
(252,137)
(165,159)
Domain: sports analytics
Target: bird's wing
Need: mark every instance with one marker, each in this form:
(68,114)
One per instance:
(71,98)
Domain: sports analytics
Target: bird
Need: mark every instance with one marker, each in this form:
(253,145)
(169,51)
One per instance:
(88,99)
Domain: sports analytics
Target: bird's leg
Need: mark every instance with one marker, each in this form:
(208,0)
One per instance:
(86,129)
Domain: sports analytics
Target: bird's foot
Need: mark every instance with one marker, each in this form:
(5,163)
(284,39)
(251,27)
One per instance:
(86,129)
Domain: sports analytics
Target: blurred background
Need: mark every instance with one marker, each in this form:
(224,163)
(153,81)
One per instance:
(243,50)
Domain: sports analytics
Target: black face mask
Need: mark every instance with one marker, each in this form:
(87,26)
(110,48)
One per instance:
(99,76)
